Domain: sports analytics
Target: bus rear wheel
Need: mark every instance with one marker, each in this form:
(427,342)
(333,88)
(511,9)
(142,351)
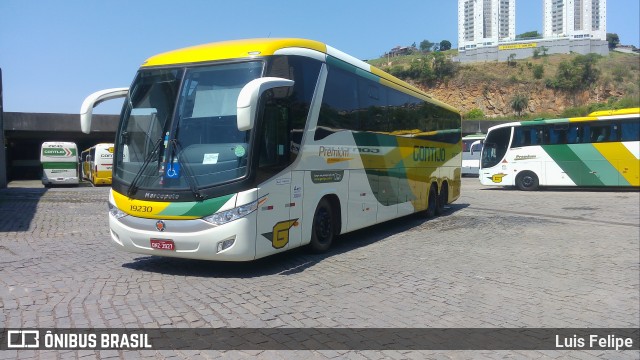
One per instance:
(527,181)
(443,198)
(432,201)
(323,228)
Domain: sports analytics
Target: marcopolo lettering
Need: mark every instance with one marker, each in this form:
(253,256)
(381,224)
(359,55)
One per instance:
(424,153)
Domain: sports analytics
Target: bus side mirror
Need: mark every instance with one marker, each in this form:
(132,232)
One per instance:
(477,142)
(86,110)
(249,96)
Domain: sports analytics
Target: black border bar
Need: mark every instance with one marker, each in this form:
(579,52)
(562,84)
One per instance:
(324,339)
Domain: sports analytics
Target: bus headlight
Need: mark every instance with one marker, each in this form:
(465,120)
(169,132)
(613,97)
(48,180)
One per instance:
(224,217)
(117,213)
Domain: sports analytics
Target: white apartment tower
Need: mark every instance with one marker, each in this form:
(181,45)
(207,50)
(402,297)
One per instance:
(575,19)
(485,22)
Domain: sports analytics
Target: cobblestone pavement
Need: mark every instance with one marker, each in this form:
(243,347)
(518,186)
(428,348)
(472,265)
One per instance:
(497,258)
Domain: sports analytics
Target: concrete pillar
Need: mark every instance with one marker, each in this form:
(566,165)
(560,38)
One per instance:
(3,153)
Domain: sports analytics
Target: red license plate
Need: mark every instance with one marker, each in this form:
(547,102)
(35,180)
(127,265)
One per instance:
(162,244)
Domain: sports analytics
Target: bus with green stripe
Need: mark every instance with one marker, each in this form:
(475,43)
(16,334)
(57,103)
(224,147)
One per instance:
(59,163)
(599,150)
(241,149)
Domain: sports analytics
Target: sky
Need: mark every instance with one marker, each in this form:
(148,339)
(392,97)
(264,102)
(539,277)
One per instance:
(53,53)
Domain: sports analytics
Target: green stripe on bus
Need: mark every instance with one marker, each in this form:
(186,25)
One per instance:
(598,165)
(59,165)
(204,208)
(583,164)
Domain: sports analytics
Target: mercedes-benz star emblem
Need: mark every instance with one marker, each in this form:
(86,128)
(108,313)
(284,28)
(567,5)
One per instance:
(160,226)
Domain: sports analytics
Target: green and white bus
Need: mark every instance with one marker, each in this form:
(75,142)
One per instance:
(602,149)
(242,149)
(59,163)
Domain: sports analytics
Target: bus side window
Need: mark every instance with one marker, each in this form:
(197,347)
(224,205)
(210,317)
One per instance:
(520,137)
(583,134)
(558,135)
(630,131)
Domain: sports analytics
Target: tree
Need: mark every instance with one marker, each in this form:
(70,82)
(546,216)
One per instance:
(529,34)
(474,114)
(518,103)
(613,40)
(511,60)
(576,75)
(445,45)
(426,45)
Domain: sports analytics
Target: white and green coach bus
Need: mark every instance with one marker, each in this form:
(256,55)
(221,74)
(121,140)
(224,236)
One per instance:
(238,150)
(602,149)
(59,163)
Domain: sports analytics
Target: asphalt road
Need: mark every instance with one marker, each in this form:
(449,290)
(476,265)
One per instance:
(498,258)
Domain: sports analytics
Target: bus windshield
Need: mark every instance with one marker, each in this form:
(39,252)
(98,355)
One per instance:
(179,128)
(495,146)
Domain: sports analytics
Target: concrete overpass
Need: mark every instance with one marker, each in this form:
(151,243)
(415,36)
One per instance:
(25,132)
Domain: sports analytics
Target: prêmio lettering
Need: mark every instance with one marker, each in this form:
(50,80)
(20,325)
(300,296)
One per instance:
(424,153)
(333,151)
(344,152)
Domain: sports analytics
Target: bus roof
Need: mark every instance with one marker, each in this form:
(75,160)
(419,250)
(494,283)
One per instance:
(594,116)
(251,48)
(628,111)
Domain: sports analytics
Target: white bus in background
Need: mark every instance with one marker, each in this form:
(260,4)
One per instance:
(471,148)
(97,164)
(59,163)
(601,149)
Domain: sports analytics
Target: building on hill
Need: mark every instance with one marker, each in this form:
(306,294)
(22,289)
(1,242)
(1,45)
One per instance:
(576,19)
(485,22)
(577,26)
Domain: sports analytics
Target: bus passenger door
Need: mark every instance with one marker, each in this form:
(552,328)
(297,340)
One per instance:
(275,184)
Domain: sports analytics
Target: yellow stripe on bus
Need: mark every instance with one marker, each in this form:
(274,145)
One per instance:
(141,208)
(236,49)
(622,160)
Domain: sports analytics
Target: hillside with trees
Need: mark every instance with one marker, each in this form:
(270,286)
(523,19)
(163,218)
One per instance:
(541,86)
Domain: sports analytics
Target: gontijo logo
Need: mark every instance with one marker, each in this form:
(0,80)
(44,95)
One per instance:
(63,152)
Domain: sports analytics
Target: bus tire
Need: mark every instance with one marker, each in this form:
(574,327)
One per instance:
(432,201)
(323,228)
(443,198)
(527,181)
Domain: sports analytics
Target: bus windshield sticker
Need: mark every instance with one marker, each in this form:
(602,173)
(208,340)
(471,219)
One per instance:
(239,151)
(210,159)
(173,170)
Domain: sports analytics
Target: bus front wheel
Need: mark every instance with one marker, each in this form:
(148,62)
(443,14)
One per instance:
(527,181)
(323,229)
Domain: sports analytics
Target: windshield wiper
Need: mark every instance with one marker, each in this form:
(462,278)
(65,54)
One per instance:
(177,149)
(133,188)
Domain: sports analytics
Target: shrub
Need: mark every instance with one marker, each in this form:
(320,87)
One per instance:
(538,71)
(474,114)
